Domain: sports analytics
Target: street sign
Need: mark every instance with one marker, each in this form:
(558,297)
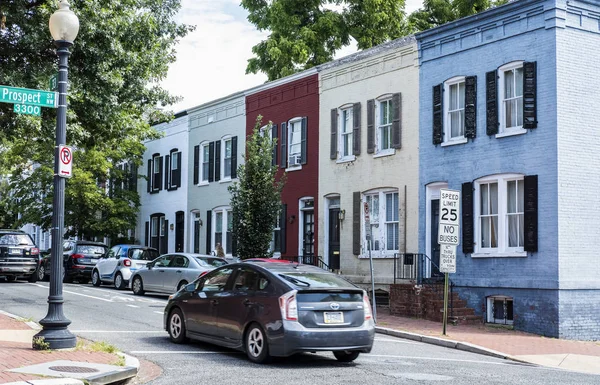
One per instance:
(27,96)
(368,230)
(27,109)
(447,258)
(65,161)
(448,231)
(54,82)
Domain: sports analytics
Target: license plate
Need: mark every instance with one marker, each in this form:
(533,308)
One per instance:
(333,317)
(15,251)
(94,260)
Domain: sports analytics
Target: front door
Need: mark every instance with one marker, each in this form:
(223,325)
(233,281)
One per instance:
(435,246)
(334,238)
(179,231)
(308,234)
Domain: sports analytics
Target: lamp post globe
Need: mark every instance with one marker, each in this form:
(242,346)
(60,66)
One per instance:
(64,26)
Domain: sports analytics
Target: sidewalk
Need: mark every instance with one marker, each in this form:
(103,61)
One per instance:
(94,363)
(581,356)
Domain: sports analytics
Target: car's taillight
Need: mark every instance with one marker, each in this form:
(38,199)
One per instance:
(34,251)
(367,306)
(289,306)
(77,256)
(202,274)
(127,262)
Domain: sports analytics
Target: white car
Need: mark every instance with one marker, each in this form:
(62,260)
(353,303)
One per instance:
(120,262)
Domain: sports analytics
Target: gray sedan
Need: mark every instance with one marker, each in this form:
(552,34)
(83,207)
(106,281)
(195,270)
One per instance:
(170,272)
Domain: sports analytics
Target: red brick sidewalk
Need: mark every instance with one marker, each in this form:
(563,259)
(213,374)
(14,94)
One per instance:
(510,342)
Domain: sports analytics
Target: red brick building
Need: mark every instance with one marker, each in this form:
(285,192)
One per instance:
(292,105)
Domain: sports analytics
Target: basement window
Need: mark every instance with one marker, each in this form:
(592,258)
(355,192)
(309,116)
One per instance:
(500,310)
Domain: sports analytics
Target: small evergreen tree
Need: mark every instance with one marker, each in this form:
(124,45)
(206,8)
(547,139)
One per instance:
(256,196)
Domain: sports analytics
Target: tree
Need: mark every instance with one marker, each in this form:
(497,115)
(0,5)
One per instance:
(438,12)
(256,196)
(306,33)
(123,49)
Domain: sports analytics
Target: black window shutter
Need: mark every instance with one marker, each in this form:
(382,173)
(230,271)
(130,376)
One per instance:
(282,227)
(165,241)
(356,116)
(196,164)
(159,177)
(217,160)
(356,223)
(149,185)
(370,126)
(438,118)
(208,231)
(304,141)
(283,161)
(147,233)
(134,177)
(529,95)
(167,172)
(470,106)
(491,100)
(334,130)
(234,157)
(178,172)
(211,161)
(397,121)
(233,234)
(274,137)
(531,213)
(467,217)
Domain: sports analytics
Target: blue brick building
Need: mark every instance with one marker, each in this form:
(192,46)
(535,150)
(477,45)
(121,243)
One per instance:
(508,115)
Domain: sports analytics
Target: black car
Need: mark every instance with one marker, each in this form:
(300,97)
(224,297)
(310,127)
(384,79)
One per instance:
(19,257)
(273,309)
(79,259)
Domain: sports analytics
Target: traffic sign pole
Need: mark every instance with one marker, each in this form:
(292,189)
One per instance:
(445,322)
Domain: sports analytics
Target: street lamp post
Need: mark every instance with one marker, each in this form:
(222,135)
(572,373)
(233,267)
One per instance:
(64,26)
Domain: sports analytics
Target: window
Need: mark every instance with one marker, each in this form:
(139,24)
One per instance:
(162,226)
(215,281)
(196,229)
(384,125)
(163,261)
(500,216)
(295,143)
(154,227)
(454,104)
(346,126)
(174,169)
(383,221)
(156,174)
(205,154)
(227,152)
(179,261)
(511,97)
(222,229)
(275,246)
(500,310)
(247,280)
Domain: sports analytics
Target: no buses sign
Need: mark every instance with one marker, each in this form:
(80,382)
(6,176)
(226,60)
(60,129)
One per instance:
(449,229)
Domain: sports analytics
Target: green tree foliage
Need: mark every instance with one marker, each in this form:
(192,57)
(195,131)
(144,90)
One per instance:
(438,12)
(306,33)
(256,196)
(122,51)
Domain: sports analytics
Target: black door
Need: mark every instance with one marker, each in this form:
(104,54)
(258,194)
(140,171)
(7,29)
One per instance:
(435,246)
(334,238)
(308,247)
(179,231)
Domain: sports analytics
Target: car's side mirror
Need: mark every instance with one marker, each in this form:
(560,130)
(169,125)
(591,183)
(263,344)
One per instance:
(149,265)
(190,287)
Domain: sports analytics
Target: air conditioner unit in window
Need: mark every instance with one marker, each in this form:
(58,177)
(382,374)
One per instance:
(295,160)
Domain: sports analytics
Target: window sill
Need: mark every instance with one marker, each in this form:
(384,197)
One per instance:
(225,180)
(346,159)
(455,142)
(513,254)
(154,191)
(377,254)
(172,188)
(204,183)
(294,168)
(512,132)
(383,153)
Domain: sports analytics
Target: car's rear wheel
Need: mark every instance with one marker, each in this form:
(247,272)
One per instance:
(181,284)
(257,347)
(346,356)
(96,278)
(119,282)
(137,286)
(41,273)
(176,326)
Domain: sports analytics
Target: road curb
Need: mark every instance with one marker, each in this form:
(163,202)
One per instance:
(130,370)
(54,381)
(464,346)
(31,324)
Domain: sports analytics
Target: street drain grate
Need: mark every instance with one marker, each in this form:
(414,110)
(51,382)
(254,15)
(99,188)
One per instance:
(73,369)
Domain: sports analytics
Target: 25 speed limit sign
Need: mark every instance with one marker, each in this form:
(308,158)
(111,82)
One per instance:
(449,229)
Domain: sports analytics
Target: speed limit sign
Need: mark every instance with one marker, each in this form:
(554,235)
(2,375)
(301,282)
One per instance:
(448,232)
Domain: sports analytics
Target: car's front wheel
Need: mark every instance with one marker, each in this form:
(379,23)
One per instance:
(41,273)
(96,278)
(257,347)
(137,286)
(346,356)
(181,285)
(119,282)
(176,326)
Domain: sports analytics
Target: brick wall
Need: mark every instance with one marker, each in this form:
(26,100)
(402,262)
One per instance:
(406,300)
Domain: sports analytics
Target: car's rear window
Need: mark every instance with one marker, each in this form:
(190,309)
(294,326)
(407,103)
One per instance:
(91,249)
(16,239)
(143,254)
(329,297)
(310,279)
(211,262)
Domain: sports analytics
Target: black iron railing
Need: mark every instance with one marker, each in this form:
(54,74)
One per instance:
(406,266)
(314,260)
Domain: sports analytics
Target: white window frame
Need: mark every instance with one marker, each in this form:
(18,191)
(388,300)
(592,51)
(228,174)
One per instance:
(155,170)
(378,136)
(448,140)
(203,180)
(161,227)
(381,223)
(224,140)
(349,109)
(226,212)
(276,230)
(290,123)
(502,250)
(173,167)
(490,315)
(503,130)
(153,227)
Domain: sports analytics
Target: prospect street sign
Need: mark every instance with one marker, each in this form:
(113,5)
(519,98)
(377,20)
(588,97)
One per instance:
(448,232)
(27,96)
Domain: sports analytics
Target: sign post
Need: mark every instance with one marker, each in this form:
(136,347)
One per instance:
(448,236)
(369,236)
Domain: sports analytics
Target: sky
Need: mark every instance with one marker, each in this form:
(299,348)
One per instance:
(211,61)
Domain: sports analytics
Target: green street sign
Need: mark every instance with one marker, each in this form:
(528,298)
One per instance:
(26,109)
(54,82)
(27,96)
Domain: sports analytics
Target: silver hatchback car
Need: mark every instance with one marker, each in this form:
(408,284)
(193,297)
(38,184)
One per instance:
(170,272)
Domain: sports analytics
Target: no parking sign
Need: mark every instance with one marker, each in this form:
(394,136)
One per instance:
(65,161)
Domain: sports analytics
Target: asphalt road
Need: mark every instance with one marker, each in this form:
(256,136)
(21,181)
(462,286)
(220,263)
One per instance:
(134,325)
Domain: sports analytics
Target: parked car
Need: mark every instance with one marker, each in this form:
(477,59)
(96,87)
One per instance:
(19,257)
(170,272)
(273,309)
(120,262)
(275,260)
(79,258)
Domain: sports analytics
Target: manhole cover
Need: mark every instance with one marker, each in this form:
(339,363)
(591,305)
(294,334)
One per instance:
(73,369)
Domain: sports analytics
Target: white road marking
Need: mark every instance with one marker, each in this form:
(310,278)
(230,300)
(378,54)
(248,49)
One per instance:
(437,359)
(159,312)
(72,292)
(119,331)
(132,306)
(113,299)
(178,352)
(397,341)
